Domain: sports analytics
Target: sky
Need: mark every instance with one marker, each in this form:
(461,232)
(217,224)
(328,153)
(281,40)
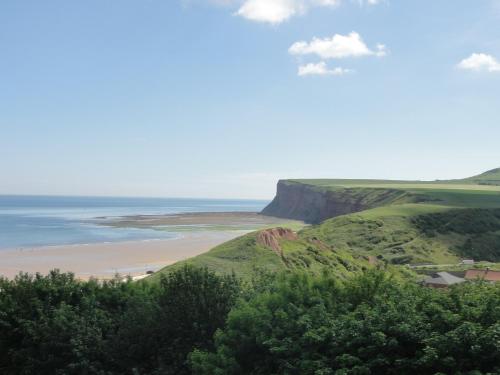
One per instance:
(221,98)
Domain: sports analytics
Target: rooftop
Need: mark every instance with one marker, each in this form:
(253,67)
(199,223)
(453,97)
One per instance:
(443,279)
(487,275)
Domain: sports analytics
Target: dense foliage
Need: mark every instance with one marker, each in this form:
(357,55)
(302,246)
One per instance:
(58,325)
(465,221)
(293,323)
(480,227)
(368,325)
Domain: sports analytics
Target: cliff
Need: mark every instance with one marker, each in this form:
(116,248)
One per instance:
(313,204)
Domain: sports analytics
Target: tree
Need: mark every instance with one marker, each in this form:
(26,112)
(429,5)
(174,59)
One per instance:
(369,324)
(55,324)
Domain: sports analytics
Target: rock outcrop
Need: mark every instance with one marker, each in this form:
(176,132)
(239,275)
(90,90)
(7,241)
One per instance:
(271,238)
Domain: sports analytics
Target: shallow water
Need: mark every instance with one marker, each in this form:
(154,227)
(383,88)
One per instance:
(32,221)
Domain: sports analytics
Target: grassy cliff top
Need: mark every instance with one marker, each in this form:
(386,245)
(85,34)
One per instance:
(487,181)
(482,191)
(395,184)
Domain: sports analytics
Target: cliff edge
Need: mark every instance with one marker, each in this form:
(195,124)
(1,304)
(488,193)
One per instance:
(314,204)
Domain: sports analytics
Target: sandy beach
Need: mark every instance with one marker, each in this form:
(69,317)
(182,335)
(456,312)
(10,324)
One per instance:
(106,259)
(195,233)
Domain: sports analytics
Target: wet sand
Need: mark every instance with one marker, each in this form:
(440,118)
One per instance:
(106,259)
(203,219)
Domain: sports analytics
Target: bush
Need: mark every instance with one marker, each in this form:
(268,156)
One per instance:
(293,323)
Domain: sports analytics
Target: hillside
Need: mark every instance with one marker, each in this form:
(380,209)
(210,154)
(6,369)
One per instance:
(362,223)
(415,234)
(491,177)
(275,250)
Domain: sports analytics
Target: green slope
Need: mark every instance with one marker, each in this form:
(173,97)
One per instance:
(415,234)
(240,255)
(244,255)
(491,177)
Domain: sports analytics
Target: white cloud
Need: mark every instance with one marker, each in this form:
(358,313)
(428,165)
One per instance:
(480,62)
(222,3)
(337,47)
(278,11)
(321,69)
(330,3)
(271,11)
(369,2)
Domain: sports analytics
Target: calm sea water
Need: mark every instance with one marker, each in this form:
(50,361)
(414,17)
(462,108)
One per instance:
(29,221)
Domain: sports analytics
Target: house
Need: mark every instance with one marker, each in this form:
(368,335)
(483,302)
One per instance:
(442,280)
(468,261)
(487,275)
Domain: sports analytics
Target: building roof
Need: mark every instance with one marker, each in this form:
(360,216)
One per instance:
(487,275)
(443,278)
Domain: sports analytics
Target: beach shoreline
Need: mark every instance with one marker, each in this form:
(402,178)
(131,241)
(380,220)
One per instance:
(105,260)
(193,233)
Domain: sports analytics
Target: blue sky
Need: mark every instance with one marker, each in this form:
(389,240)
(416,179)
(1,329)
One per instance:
(221,98)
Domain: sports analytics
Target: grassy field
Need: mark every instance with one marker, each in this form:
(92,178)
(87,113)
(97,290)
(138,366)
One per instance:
(403,185)
(487,181)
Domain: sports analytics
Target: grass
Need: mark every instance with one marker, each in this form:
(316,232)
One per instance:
(244,255)
(459,267)
(403,210)
(401,185)
(489,180)
(415,234)
(464,198)
(241,255)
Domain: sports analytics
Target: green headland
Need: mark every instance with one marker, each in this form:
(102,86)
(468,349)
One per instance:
(360,224)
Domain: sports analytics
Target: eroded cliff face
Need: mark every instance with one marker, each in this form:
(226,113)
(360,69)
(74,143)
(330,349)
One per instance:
(271,238)
(312,204)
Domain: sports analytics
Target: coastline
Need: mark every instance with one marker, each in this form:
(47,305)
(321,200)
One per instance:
(104,260)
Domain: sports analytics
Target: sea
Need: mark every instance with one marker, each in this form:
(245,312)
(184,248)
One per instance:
(33,221)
